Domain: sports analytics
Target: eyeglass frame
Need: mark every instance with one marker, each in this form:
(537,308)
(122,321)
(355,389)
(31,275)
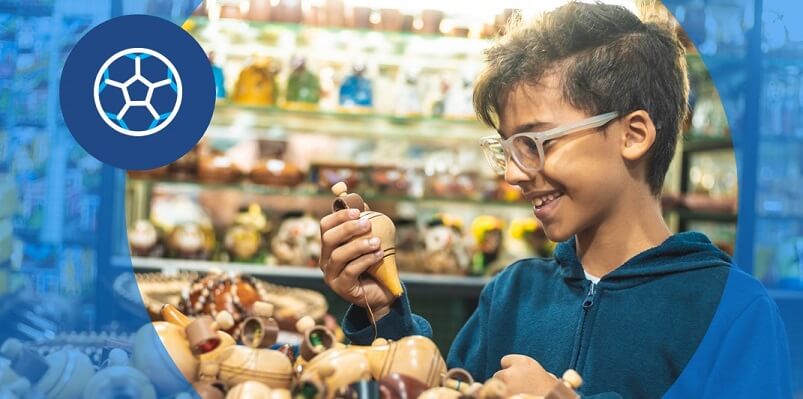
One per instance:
(540,138)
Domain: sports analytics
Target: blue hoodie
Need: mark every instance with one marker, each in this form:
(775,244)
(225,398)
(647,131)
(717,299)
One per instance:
(678,306)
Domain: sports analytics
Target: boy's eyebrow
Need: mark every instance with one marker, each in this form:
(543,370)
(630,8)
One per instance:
(533,126)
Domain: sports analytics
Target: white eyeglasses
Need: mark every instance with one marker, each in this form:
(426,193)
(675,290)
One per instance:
(527,149)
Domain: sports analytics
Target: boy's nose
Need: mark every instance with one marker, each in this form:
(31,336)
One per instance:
(514,175)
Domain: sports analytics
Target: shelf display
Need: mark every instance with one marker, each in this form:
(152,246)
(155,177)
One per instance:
(303,86)
(256,84)
(297,241)
(356,90)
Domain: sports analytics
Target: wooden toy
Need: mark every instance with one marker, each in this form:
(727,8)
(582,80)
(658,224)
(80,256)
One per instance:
(119,379)
(162,353)
(61,375)
(400,386)
(218,292)
(317,339)
(209,389)
(440,393)
(260,330)
(385,272)
(239,364)
(249,390)
(203,334)
(415,357)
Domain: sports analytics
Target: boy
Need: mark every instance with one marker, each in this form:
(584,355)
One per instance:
(588,102)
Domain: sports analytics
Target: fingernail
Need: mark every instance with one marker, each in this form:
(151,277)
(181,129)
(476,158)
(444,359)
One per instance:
(374,241)
(364,223)
(354,213)
(379,254)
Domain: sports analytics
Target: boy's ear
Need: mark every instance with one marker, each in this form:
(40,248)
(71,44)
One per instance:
(638,135)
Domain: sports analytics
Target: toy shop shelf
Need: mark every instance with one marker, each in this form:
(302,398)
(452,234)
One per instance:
(243,39)
(722,217)
(256,122)
(251,188)
(308,277)
(707,144)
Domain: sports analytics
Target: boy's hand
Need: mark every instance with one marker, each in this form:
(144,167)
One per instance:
(522,374)
(344,259)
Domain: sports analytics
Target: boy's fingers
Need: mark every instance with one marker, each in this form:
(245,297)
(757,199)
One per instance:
(512,360)
(342,233)
(339,217)
(349,252)
(355,268)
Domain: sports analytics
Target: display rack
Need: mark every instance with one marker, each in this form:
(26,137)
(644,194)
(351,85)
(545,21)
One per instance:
(304,276)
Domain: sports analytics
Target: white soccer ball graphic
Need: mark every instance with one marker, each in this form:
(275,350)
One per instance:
(137,92)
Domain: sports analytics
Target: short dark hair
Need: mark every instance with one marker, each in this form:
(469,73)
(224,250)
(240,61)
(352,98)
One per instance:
(609,61)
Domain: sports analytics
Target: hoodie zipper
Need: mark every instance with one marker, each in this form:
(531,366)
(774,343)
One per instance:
(588,303)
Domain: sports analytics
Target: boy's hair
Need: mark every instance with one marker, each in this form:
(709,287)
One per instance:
(609,60)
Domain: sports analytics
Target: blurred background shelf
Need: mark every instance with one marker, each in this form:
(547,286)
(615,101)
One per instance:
(308,277)
(699,144)
(315,193)
(256,122)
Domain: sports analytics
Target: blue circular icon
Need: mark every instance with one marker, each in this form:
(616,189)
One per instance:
(137,101)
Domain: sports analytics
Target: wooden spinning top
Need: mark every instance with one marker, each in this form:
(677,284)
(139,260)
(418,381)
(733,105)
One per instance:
(385,272)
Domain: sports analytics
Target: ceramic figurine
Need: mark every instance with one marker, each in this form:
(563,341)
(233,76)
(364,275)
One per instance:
(217,72)
(276,172)
(254,217)
(118,379)
(242,242)
(256,84)
(298,242)
(143,239)
(458,102)
(303,86)
(385,272)
(191,241)
(356,90)
(217,168)
(487,233)
(408,94)
(444,249)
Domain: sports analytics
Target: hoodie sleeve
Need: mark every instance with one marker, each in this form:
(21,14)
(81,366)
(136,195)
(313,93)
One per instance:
(400,322)
(753,359)
(469,349)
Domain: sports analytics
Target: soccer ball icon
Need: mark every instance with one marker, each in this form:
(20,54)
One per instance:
(137,92)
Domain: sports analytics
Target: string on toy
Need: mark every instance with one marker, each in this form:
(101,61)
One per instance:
(370,312)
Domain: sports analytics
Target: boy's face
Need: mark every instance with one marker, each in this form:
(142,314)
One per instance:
(583,173)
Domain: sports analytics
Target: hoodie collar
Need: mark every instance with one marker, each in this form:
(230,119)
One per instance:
(679,253)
